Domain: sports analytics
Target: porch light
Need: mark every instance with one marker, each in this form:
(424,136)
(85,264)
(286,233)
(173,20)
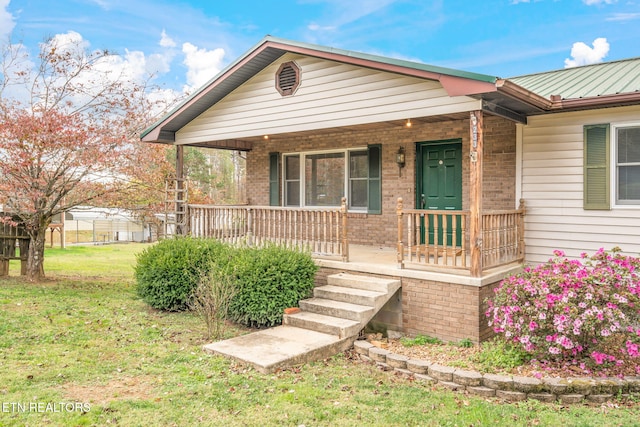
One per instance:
(265,137)
(400,160)
(408,123)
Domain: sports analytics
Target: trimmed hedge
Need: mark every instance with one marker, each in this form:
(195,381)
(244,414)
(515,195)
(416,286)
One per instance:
(270,280)
(168,272)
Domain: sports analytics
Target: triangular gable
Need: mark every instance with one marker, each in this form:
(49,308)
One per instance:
(271,49)
(330,94)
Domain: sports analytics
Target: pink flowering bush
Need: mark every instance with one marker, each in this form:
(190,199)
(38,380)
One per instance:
(582,312)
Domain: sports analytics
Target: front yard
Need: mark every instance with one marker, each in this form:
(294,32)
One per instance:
(83,349)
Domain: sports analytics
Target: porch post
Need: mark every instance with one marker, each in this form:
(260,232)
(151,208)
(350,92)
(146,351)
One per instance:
(180,208)
(345,238)
(475,191)
(400,246)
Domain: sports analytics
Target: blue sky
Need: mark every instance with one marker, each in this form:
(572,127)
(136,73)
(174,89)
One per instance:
(187,42)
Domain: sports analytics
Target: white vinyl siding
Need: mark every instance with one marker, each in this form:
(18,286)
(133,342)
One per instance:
(552,187)
(330,94)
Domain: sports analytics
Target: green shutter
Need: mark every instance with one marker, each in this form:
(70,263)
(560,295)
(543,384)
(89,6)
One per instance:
(596,167)
(375,179)
(274,182)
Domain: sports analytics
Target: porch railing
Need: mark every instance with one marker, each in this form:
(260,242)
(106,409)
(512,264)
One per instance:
(318,230)
(502,237)
(440,238)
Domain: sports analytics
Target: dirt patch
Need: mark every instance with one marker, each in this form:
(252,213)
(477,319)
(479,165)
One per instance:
(125,388)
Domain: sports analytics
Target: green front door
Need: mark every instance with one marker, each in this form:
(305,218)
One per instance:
(439,184)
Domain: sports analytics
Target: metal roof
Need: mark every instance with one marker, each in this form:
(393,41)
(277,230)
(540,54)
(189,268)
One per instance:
(589,81)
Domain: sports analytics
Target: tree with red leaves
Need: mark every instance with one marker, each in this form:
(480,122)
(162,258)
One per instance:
(69,131)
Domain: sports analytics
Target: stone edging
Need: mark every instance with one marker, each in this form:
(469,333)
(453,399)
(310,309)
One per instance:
(511,388)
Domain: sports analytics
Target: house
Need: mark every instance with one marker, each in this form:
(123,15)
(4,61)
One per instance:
(443,179)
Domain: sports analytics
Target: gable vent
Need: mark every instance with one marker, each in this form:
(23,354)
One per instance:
(288,78)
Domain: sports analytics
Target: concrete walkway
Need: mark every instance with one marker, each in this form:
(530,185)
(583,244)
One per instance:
(280,347)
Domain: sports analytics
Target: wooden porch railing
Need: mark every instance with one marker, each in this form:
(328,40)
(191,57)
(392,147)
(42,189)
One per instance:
(440,238)
(502,237)
(318,230)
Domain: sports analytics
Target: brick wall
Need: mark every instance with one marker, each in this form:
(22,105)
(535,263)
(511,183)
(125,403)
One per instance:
(499,167)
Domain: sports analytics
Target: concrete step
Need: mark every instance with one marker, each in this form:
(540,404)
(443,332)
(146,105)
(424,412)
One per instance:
(350,295)
(359,313)
(342,328)
(364,282)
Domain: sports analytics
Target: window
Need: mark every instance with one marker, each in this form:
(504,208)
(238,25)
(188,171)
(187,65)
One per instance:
(621,168)
(323,179)
(627,165)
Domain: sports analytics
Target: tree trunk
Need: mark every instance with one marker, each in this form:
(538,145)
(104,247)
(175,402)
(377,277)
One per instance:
(35,260)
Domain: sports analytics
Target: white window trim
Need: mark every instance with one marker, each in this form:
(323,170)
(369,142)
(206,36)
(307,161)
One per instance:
(613,165)
(303,155)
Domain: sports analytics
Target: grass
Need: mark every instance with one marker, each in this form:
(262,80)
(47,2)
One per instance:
(80,338)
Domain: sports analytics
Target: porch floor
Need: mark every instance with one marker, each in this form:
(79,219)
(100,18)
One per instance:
(383,260)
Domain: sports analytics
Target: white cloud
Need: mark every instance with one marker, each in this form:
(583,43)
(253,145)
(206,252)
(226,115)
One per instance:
(202,65)
(598,2)
(166,41)
(585,55)
(344,12)
(7,22)
(316,27)
(623,17)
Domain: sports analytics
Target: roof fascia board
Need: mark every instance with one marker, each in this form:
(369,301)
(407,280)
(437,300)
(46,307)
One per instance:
(153,132)
(518,92)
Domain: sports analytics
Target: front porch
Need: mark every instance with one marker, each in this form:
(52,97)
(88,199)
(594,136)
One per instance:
(439,293)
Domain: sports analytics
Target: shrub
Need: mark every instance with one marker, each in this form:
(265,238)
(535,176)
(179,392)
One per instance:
(270,279)
(568,310)
(167,273)
(211,299)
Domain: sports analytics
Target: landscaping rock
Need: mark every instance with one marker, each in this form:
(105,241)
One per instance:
(599,398)
(498,382)
(482,391)
(397,361)
(362,347)
(527,385)
(467,378)
(571,398)
(379,354)
(441,373)
(511,396)
(542,397)
(451,385)
(418,366)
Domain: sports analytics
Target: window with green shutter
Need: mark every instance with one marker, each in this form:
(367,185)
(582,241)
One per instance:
(596,167)
(274,181)
(374,205)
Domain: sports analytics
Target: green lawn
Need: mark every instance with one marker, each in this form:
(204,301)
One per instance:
(79,339)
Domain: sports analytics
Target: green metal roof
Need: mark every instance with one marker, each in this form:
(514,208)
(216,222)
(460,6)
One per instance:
(589,81)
